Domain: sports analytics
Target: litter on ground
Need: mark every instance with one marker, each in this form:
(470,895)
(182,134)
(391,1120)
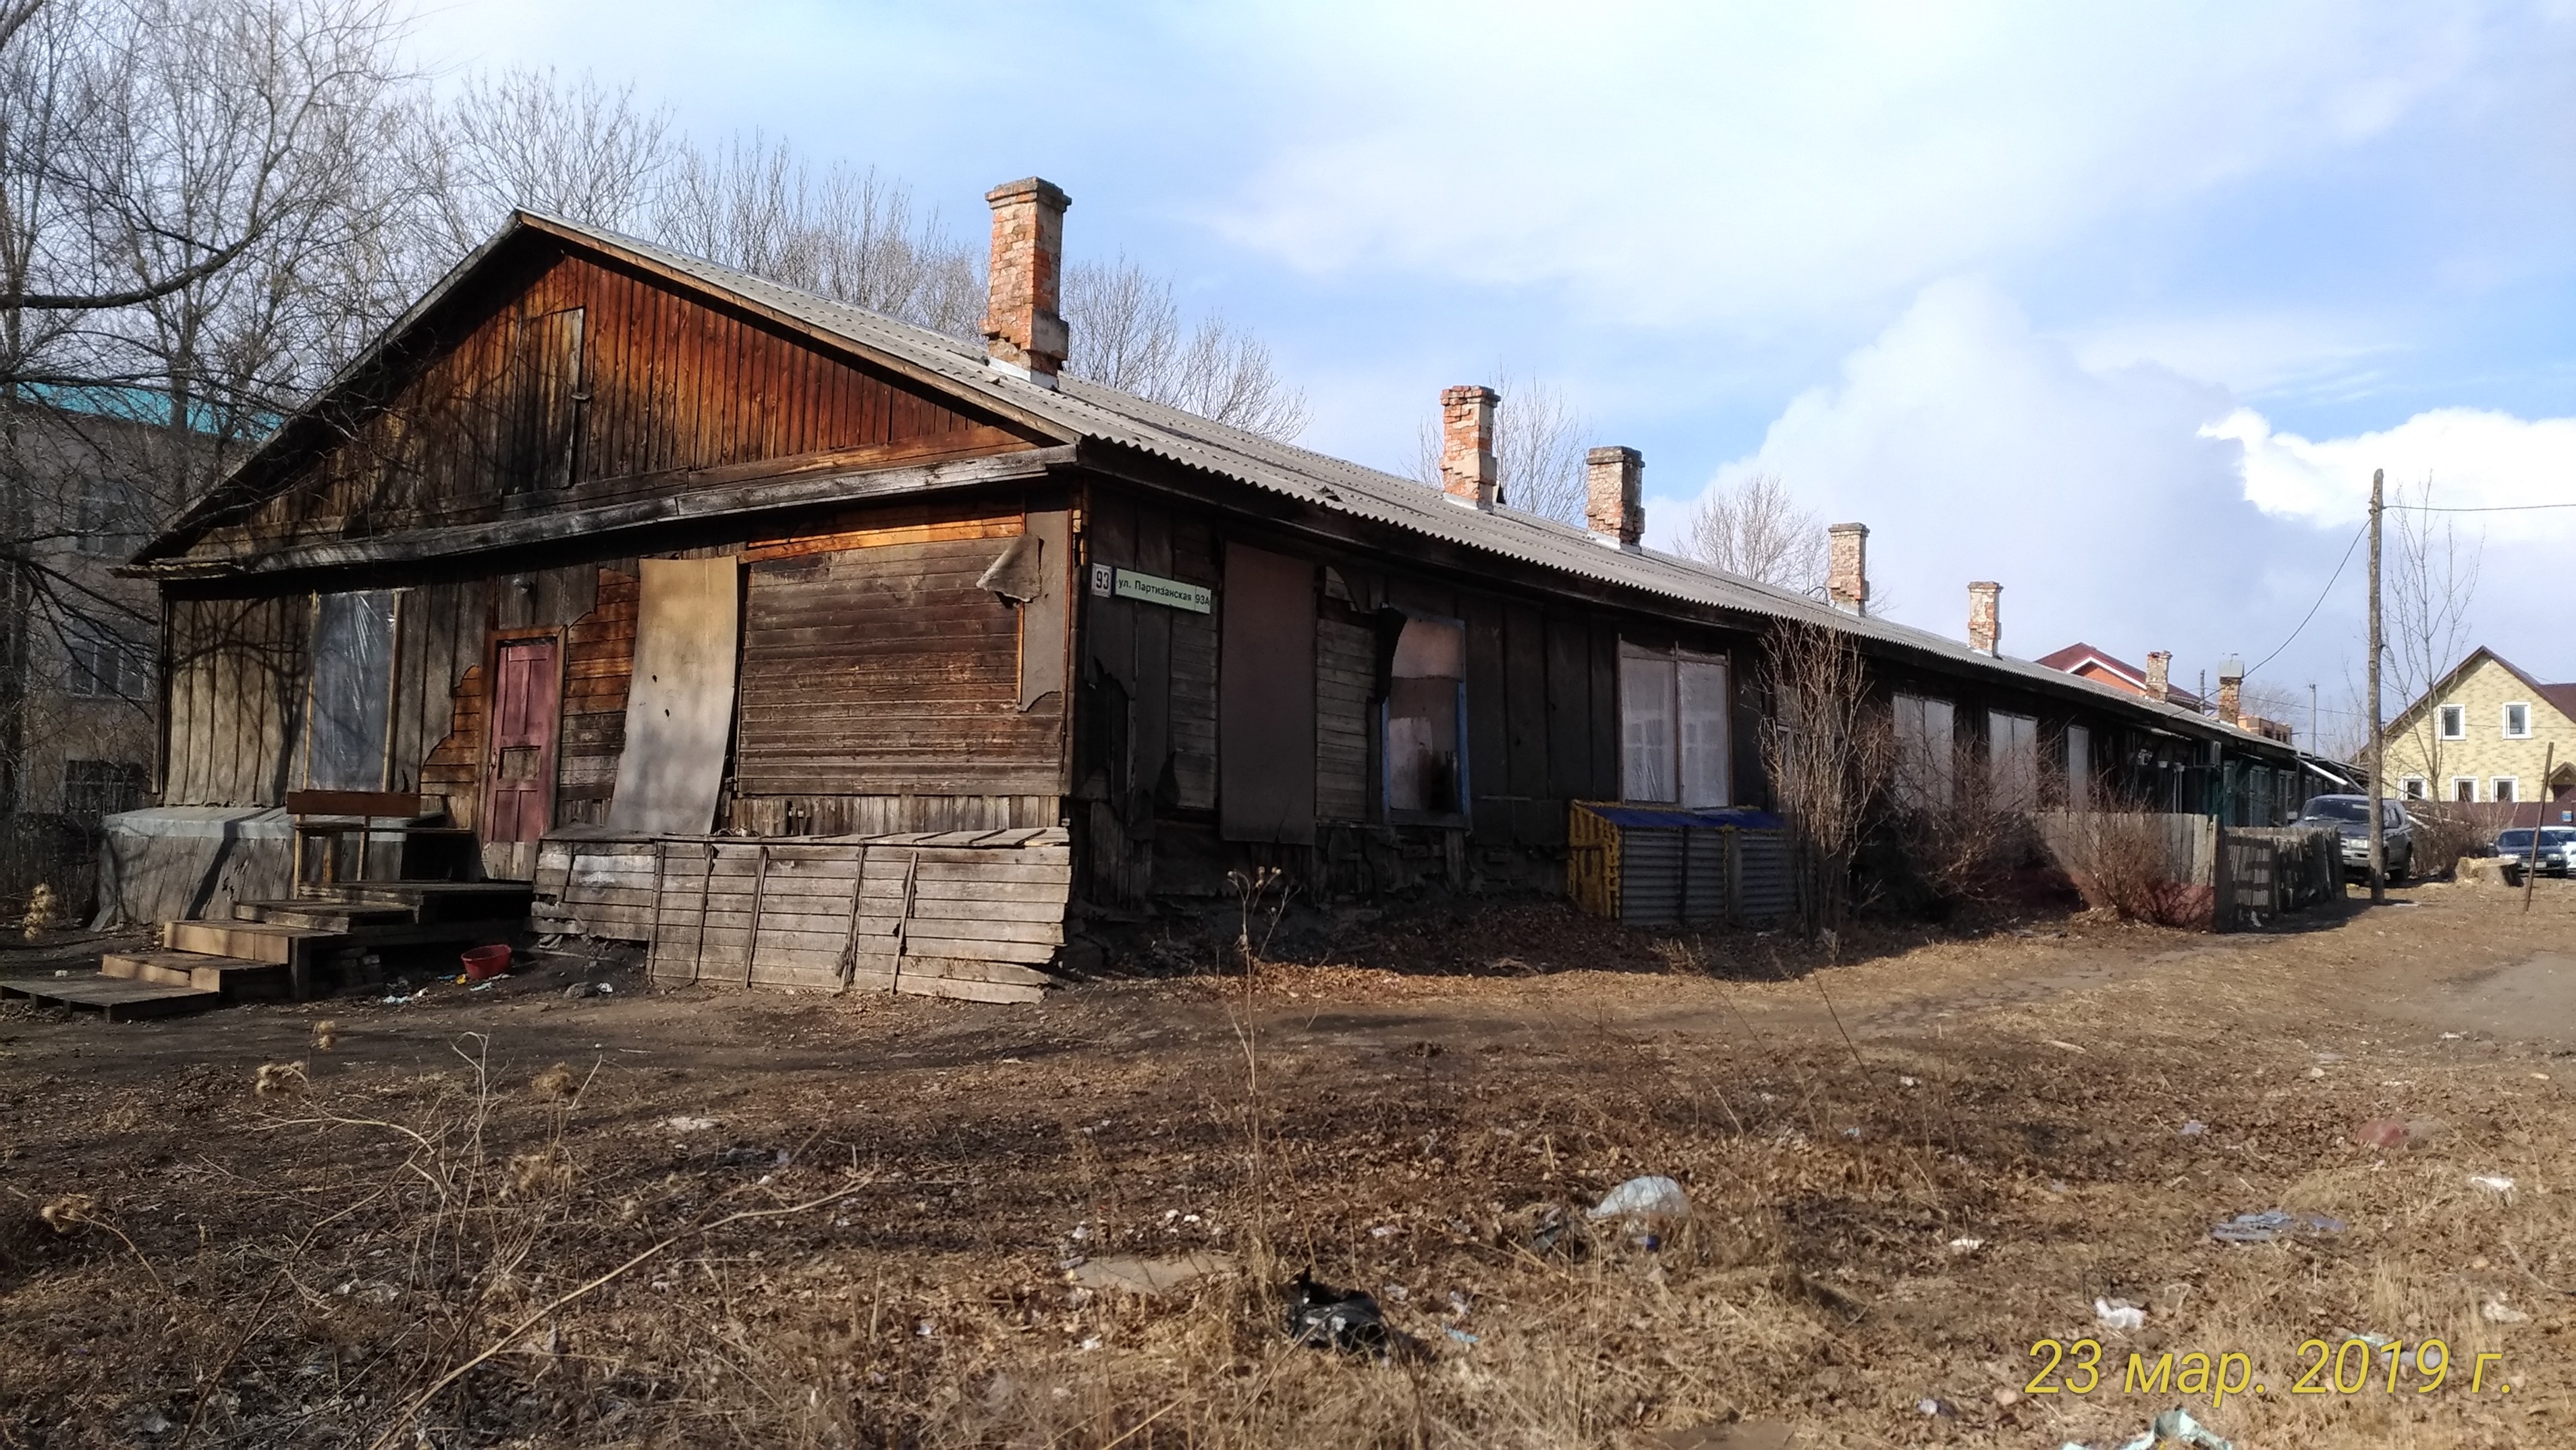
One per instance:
(2271,1223)
(2119,1314)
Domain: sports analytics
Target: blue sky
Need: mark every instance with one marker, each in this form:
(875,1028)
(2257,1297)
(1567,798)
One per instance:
(2117,305)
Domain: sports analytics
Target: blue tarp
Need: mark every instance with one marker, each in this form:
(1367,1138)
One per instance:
(1675,817)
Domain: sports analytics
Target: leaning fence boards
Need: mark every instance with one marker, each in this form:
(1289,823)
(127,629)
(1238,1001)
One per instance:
(972,914)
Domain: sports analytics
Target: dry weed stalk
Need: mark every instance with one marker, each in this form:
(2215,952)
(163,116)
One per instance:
(325,1033)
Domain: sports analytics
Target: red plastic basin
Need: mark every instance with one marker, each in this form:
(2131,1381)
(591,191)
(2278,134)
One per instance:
(484,963)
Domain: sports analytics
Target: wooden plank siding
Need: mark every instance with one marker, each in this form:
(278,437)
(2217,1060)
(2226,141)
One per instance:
(594,383)
(236,681)
(887,670)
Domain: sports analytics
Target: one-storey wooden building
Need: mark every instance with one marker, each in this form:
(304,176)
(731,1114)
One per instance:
(605,544)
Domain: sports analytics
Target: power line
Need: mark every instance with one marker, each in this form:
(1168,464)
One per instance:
(2497,508)
(2321,600)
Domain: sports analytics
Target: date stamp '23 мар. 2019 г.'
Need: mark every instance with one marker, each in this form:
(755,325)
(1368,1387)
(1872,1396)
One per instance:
(2345,1367)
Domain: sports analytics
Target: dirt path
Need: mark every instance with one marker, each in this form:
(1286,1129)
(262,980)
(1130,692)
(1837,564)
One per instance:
(2077,1105)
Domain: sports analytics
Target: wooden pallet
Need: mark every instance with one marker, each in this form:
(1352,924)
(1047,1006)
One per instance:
(117,999)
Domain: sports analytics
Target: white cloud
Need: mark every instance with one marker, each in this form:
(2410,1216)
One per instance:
(2475,459)
(1765,165)
(2130,506)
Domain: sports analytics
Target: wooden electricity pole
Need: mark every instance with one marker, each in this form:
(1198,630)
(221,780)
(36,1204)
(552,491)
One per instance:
(2378,736)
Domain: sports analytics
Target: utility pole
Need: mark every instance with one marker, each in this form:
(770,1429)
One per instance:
(2378,742)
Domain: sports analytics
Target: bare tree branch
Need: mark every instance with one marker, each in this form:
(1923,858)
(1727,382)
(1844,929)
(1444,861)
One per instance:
(1539,442)
(1757,530)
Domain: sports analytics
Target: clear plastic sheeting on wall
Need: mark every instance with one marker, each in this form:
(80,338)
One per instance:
(350,705)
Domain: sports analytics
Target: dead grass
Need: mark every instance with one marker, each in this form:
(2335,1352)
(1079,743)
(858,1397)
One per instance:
(411,1253)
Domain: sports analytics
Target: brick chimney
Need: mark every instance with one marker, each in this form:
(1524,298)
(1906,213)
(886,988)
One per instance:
(1614,506)
(1468,472)
(1023,335)
(2231,691)
(1985,627)
(2159,675)
(1847,567)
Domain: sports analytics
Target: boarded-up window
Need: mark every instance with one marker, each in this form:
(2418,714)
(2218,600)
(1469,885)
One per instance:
(1925,770)
(1345,681)
(350,703)
(2012,760)
(1674,746)
(546,399)
(1266,699)
(1426,717)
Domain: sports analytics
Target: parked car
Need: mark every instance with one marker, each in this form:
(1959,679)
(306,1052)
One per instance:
(2556,856)
(2350,816)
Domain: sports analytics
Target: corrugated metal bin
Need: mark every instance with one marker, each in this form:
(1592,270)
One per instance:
(1667,866)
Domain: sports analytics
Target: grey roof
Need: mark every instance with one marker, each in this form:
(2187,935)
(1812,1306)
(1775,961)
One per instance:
(1079,410)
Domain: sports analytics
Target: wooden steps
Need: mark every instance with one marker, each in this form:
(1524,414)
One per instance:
(234,978)
(275,950)
(117,999)
(336,916)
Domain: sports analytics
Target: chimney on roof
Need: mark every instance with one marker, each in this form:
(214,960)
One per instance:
(1469,473)
(1847,567)
(2231,691)
(1985,628)
(1614,506)
(1023,334)
(2159,675)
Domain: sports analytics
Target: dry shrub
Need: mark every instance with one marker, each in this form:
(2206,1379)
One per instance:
(67,1212)
(2445,831)
(1969,849)
(2119,861)
(279,1079)
(325,1033)
(1826,755)
(554,1084)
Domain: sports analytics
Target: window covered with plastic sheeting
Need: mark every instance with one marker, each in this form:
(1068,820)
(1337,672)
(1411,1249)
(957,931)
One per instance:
(1426,717)
(350,704)
(1674,744)
(2012,760)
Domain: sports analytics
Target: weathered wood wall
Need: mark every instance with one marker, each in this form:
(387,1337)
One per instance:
(594,383)
(972,914)
(874,664)
(236,678)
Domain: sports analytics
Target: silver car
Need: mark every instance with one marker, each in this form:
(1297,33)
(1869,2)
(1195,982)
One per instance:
(2350,816)
(2556,855)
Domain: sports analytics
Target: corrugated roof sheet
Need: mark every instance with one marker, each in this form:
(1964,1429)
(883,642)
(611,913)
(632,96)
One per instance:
(1085,411)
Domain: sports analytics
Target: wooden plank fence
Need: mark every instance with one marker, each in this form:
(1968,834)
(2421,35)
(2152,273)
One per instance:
(972,914)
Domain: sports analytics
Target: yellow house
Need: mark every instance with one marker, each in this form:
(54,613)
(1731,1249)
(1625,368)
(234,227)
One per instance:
(2481,734)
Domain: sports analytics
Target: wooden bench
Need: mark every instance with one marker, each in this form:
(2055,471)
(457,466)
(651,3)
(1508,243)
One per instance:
(329,816)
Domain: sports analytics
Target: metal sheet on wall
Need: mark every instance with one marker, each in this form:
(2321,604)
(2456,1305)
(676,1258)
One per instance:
(679,709)
(1266,699)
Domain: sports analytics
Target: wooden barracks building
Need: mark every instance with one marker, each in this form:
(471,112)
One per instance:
(679,594)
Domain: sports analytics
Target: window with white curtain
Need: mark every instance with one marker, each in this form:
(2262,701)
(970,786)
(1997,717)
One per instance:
(1674,744)
(1926,774)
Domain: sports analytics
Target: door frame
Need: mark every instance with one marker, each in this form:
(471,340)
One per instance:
(493,642)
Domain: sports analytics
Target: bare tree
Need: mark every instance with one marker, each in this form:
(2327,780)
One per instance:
(1128,335)
(847,233)
(1829,754)
(529,138)
(194,211)
(1539,442)
(1757,530)
(2431,583)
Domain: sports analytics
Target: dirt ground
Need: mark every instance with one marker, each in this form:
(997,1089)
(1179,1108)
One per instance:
(808,1221)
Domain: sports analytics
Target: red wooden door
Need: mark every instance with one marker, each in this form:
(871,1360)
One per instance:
(520,789)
